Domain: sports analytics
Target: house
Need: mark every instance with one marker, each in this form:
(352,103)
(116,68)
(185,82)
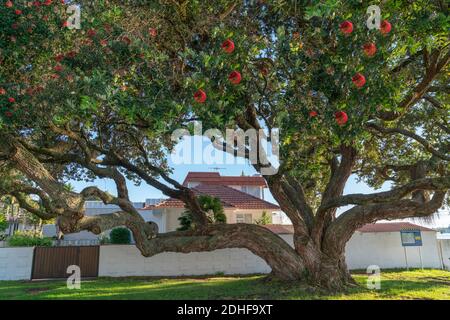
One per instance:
(242,198)
(18,219)
(93,207)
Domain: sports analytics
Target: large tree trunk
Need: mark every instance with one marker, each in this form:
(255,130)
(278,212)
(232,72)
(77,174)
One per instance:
(324,267)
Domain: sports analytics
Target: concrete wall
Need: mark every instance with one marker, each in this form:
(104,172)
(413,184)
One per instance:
(385,250)
(16,263)
(444,245)
(126,260)
(363,250)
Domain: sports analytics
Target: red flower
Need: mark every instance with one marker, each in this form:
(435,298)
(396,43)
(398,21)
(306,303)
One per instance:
(385,27)
(18,12)
(264,71)
(91,33)
(2,91)
(370,49)
(200,96)
(58,68)
(71,54)
(9,114)
(235,77)
(104,42)
(48,2)
(346,27)
(8,4)
(37,3)
(11,99)
(59,57)
(228,46)
(153,32)
(359,80)
(313,114)
(341,118)
(126,40)
(65,24)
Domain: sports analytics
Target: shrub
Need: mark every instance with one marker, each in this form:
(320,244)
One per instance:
(104,239)
(24,239)
(120,236)
(211,205)
(264,220)
(3,223)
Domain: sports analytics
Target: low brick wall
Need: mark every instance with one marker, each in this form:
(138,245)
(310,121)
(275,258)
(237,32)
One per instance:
(16,263)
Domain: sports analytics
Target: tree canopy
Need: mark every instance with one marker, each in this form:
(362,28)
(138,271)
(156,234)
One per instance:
(103,101)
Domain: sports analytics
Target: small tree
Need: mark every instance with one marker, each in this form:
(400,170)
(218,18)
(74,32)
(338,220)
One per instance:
(3,222)
(211,205)
(120,236)
(265,219)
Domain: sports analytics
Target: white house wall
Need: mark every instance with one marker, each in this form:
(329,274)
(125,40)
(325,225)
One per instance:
(156,216)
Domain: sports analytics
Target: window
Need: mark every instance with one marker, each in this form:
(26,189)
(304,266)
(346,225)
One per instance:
(244,218)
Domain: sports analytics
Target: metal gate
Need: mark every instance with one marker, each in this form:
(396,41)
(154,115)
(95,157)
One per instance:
(52,262)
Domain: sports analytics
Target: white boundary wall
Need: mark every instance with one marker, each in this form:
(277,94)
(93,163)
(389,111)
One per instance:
(385,250)
(126,260)
(16,263)
(445,251)
(363,249)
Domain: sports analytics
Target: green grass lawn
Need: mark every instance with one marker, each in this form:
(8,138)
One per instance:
(418,284)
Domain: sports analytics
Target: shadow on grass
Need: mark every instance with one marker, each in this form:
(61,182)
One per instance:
(395,285)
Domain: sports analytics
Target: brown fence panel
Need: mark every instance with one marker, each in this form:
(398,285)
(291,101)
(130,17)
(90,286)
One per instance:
(52,262)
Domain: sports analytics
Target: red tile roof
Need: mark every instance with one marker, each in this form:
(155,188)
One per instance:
(392,227)
(280,228)
(216,179)
(375,227)
(230,198)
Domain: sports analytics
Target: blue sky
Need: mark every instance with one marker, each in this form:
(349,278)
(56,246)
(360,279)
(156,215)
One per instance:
(142,192)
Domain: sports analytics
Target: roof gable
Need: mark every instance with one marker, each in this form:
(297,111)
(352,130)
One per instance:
(230,198)
(392,227)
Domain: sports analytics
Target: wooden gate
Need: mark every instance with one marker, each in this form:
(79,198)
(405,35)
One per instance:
(52,262)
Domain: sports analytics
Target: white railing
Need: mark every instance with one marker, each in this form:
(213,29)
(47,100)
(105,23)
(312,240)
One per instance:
(67,243)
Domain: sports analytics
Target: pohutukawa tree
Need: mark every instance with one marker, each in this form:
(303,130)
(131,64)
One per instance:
(348,100)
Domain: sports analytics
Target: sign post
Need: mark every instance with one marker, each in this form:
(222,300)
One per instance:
(411,238)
